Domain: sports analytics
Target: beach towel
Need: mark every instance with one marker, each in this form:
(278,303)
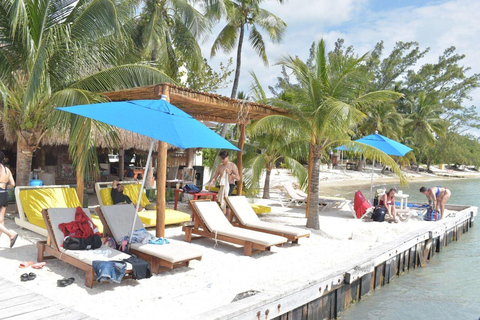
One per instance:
(223,192)
(81,227)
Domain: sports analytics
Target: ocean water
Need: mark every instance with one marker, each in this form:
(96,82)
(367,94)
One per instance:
(448,287)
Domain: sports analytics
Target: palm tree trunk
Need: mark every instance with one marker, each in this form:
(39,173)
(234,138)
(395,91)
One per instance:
(239,62)
(313,221)
(266,187)
(25,148)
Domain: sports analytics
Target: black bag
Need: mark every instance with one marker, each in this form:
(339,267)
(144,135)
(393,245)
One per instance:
(141,268)
(72,243)
(379,214)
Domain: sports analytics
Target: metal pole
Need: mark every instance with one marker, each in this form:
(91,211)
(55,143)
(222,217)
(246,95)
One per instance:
(149,158)
(371,180)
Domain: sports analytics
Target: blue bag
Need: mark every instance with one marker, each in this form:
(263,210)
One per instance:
(191,188)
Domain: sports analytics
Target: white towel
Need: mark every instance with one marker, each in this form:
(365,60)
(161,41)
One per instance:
(223,192)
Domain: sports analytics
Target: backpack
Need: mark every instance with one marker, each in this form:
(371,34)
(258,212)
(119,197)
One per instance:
(431,215)
(379,214)
(191,188)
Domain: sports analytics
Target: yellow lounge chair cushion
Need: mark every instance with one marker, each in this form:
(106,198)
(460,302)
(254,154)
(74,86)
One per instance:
(259,209)
(35,200)
(148,217)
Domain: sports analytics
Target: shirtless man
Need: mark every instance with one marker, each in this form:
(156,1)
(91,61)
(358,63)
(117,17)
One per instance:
(230,168)
(439,196)
(6,180)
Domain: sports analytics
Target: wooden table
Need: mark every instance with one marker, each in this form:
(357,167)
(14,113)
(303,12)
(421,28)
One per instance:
(196,195)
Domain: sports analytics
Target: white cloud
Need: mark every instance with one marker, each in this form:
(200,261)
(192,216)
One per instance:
(437,25)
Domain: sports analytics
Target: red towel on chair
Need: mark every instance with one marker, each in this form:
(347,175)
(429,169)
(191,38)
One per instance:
(360,204)
(82,227)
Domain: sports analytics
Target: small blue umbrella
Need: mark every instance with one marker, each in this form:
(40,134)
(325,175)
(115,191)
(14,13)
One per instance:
(382,143)
(157,119)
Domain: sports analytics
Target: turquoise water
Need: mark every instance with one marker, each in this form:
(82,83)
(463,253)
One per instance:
(447,288)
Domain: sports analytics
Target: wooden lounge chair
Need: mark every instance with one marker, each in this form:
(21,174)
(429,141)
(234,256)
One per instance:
(118,220)
(148,217)
(210,222)
(32,200)
(246,218)
(81,259)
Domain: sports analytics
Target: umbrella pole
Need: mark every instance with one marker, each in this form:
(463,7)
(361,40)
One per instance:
(371,180)
(149,158)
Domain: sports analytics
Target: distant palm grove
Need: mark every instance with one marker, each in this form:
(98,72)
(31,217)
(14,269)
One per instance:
(57,53)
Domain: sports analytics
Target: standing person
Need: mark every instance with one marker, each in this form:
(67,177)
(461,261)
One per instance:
(118,197)
(6,180)
(437,197)
(228,173)
(388,201)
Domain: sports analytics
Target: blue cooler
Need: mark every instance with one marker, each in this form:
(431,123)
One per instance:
(35,183)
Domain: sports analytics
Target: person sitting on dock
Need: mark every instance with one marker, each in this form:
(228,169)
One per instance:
(388,201)
(118,197)
(437,197)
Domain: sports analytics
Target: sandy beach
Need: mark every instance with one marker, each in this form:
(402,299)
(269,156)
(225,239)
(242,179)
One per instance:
(223,272)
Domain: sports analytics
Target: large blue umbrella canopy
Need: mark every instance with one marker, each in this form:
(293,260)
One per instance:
(157,119)
(382,143)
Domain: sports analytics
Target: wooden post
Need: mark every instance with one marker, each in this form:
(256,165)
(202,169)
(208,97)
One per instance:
(121,162)
(80,186)
(241,142)
(190,155)
(161,182)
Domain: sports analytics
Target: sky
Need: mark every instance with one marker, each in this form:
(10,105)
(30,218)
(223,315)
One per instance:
(362,23)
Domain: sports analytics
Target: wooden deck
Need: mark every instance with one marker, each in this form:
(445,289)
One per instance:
(17,302)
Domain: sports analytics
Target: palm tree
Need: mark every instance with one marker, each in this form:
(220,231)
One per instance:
(241,15)
(61,53)
(423,124)
(384,118)
(168,32)
(324,109)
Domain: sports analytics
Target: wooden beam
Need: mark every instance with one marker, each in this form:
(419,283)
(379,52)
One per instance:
(241,142)
(190,155)
(121,163)
(80,185)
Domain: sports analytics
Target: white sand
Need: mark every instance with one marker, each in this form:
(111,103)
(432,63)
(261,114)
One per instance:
(223,272)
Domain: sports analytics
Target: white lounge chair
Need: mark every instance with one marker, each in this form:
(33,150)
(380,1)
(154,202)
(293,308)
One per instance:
(247,218)
(117,221)
(210,222)
(81,259)
(294,196)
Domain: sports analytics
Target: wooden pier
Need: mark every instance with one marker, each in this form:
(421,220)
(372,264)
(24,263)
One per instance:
(327,297)
(18,303)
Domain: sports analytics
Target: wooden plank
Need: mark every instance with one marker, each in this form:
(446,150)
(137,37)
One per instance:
(406,260)
(379,275)
(365,283)
(340,299)
(19,300)
(413,258)
(31,310)
(332,302)
(314,310)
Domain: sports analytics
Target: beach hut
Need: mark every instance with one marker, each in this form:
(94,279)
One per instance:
(202,106)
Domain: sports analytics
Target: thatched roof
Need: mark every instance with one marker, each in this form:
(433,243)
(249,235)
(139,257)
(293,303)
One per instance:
(201,105)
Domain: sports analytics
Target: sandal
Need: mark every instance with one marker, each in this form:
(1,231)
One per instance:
(12,241)
(65,282)
(31,276)
(26,264)
(39,265)
(24,277)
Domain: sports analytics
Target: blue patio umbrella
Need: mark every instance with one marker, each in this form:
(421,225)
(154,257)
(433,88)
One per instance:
(157,119)
(382,143)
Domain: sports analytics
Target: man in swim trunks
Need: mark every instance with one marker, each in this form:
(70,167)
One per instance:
(6,179)
(437,197)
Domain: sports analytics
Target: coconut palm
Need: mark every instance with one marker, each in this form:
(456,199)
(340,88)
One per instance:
(61,53)
(384,118)
(168,32)
(242,15)
(325,107)
(423,124)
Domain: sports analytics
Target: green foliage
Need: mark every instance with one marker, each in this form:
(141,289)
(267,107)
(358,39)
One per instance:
(207,79)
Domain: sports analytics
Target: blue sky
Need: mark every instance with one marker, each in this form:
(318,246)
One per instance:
(363,23)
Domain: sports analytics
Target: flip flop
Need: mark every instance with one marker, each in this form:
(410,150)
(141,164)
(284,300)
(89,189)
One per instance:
(156,241)
(12,241)
(24,277)
(39,265)
(26,264)
(65,282)
(166,241)
(31,276)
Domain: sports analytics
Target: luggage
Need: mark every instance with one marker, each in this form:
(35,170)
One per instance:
(431,215)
